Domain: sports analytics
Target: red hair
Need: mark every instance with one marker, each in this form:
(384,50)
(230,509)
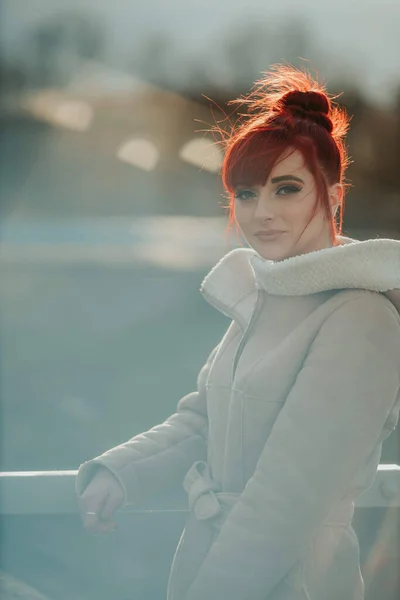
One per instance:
(287,108)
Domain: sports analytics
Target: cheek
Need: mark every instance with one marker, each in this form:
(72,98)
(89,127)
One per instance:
(297,214)
(242,215)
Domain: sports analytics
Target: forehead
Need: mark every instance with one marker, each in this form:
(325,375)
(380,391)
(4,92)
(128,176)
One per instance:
(290,163)
(259,164)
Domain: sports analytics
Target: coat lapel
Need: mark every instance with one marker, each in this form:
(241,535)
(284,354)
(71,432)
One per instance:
(372,265)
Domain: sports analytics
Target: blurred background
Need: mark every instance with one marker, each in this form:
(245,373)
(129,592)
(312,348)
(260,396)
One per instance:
(111,203)
(112,211)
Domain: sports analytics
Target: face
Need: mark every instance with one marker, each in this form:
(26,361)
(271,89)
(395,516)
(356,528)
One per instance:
(272,217)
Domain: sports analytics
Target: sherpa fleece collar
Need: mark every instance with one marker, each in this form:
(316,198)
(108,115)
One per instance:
(371,265)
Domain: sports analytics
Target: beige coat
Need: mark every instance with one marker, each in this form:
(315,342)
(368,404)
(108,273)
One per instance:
(285,429)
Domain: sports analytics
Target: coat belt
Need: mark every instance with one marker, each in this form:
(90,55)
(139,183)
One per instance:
(204,498)
(208,503)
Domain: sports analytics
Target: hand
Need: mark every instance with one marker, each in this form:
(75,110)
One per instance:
(101,498)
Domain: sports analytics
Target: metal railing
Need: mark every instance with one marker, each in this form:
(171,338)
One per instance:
(53,492)
(46,547)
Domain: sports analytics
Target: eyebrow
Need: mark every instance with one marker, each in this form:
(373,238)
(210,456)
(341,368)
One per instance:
(273,180)
(286,178)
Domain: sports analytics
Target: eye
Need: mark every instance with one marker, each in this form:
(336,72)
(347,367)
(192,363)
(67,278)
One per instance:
(286,190)
(244,194)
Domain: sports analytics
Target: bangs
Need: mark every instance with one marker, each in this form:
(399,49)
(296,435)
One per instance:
(251,159)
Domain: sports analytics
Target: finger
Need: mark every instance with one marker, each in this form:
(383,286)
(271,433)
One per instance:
(111,504)
(91,521)
(85,504)
(90,511)
(90,507)
(100,520)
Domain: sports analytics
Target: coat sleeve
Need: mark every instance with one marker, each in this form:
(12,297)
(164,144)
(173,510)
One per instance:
(157,460)
(331,420)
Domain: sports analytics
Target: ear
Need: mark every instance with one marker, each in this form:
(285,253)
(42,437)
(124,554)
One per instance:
(335,196)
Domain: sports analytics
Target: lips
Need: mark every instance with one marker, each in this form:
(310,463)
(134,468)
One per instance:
(268,235)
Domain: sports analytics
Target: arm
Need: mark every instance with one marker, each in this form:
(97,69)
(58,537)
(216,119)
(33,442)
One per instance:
(331,421)
(158,459)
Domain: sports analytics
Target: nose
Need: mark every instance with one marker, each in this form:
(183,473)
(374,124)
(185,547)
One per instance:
(264,207)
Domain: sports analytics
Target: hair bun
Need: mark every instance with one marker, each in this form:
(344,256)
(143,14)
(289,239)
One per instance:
(313,101)
(313,105)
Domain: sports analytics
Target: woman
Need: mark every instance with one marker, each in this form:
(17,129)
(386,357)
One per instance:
(286,427)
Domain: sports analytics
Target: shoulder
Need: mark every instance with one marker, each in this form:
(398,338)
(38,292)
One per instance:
(360,331)
(358,301)
(362,316)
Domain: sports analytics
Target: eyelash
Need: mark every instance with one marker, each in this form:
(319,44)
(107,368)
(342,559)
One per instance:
(239,195)
(293,189)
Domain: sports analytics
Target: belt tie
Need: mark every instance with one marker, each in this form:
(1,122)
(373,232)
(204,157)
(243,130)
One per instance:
(204,498)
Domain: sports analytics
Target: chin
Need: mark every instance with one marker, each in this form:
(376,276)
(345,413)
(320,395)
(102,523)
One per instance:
(274,254)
